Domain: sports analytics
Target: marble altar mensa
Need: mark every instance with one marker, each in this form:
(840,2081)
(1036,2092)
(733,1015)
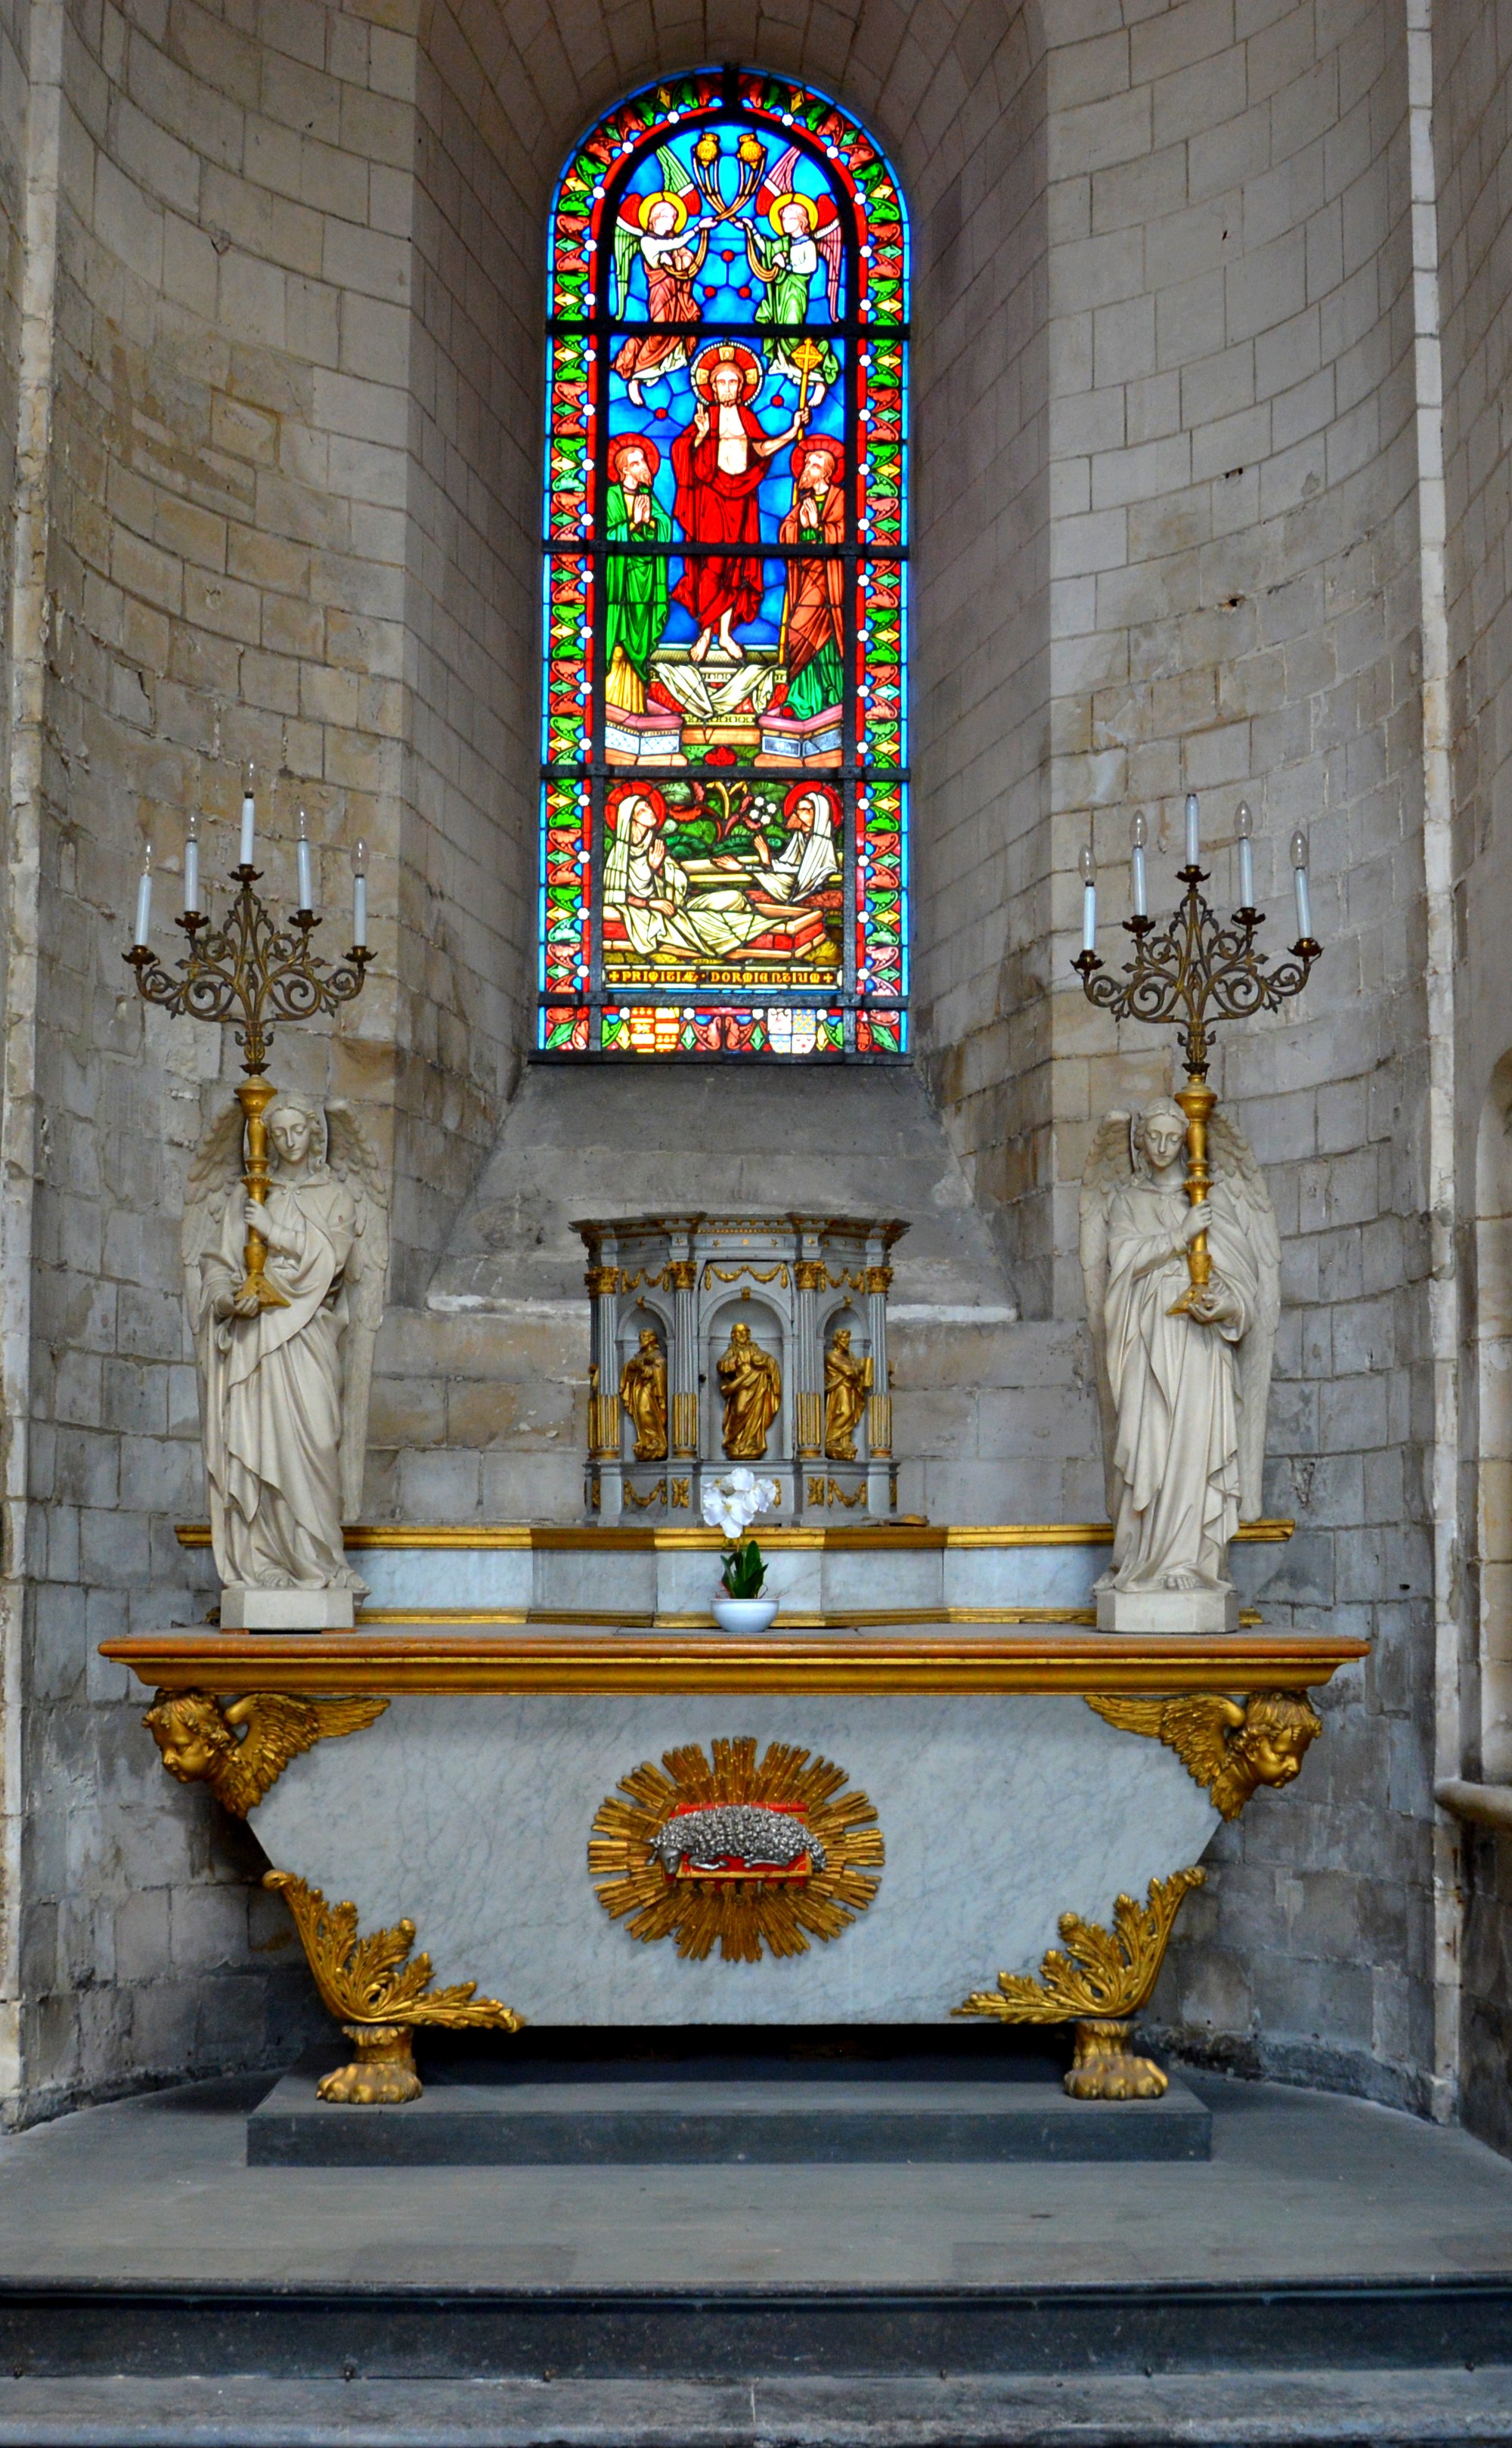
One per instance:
(1004,1801)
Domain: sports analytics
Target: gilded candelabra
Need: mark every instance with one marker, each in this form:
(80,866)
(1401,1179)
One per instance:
(1196,969)
(250,969)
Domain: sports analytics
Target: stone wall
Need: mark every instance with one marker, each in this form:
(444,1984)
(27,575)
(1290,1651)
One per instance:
(1473,151)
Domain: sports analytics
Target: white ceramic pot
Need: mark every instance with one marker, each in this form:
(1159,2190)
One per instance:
(745,1614)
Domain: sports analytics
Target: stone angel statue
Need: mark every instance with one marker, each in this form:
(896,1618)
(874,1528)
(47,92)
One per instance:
(1184,1394)
(284,1390)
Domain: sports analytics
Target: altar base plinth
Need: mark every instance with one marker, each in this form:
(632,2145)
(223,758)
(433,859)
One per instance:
(689,2124)
(1194,1612)
(248,1610)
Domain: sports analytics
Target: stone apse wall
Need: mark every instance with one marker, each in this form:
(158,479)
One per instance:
(1165,536)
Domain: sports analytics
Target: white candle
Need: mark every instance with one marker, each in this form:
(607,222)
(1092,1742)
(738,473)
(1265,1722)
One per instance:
(249,818)
(144,898)
(191,869)
(1244,826)
(306,886)
(1089,899)
(359,896)
(1194,846)
(1299,879)
(1138,834)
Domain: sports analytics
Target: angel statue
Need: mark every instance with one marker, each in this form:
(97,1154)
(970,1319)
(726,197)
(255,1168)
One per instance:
(285,1389)
(1183,1388)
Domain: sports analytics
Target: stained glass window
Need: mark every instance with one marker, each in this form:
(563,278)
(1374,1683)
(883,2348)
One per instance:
(724,796)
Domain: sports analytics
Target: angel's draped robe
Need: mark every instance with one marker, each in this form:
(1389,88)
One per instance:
(1176,1455)
(273,1395)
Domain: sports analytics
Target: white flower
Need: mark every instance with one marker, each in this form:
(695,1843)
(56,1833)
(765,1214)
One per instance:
(714,1506)
(740,1483)
(769,1492)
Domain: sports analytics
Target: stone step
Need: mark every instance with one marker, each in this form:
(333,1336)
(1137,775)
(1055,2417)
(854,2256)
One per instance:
(679,2123)
(757,2333)
(1308,2408)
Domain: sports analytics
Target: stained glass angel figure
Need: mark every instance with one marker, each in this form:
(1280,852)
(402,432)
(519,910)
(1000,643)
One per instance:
(805,230)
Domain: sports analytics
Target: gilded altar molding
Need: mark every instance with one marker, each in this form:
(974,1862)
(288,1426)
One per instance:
(817,1892)
(1098,1979)
(1230,1749)
(240,1748)
(380,1992)
(524,1659)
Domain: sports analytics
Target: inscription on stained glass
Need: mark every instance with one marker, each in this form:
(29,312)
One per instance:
(724,793)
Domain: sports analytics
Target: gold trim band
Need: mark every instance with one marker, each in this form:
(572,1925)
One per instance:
(794,1663)
(893,1535)
(838,1619)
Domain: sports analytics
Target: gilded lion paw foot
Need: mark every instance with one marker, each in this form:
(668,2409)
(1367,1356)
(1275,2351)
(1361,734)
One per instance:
(383,2073)
(1106,2067)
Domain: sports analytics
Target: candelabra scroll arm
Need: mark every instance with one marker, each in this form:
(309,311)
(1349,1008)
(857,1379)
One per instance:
(1196,965)
(250,969)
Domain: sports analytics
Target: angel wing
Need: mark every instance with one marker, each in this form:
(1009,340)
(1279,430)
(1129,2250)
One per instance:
(1234,1165)
(676,182)
(1195,1727)
(355,1162)
(280,1726)
(828,239)
(216,1166)
(1109,1165)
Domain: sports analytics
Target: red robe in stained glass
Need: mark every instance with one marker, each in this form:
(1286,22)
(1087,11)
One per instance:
(713,507)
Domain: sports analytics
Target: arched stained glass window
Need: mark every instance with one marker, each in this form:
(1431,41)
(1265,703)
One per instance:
(724,796)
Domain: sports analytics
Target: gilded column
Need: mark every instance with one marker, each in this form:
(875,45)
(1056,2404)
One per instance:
(682,1380)
(602,1281)
(879,1405)
(808,1394)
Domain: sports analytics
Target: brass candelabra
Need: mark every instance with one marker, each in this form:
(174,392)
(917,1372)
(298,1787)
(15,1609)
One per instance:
(1193,968)
(249,969)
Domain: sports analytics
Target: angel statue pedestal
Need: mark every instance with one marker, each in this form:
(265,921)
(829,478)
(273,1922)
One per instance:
(284,1382)
(1183,1370)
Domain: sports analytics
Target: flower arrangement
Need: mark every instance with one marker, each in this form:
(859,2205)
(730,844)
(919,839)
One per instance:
(732,1505)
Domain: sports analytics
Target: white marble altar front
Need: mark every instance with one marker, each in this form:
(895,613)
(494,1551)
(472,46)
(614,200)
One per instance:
(471,1817)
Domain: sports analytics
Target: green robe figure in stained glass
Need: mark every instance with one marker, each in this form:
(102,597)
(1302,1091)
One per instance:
(805,233)
(634,585)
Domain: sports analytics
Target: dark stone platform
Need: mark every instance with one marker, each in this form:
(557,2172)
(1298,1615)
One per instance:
(642,2123)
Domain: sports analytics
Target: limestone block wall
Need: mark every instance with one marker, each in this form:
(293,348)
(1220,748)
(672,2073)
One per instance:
(1233,610)
(1473,151)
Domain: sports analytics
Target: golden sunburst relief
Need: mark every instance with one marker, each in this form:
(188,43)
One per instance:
(812,1888)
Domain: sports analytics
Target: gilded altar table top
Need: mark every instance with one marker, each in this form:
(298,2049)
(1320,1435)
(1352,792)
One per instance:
(907,1661)
(890,1537)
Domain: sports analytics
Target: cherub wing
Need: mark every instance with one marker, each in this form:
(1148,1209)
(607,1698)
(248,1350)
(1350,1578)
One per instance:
(355,1162)
(1234,1165)
(280,1726)
(1109,1165)
(1195,1727)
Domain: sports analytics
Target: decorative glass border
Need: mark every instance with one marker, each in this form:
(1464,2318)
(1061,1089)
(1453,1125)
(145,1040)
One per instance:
(584,1007)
